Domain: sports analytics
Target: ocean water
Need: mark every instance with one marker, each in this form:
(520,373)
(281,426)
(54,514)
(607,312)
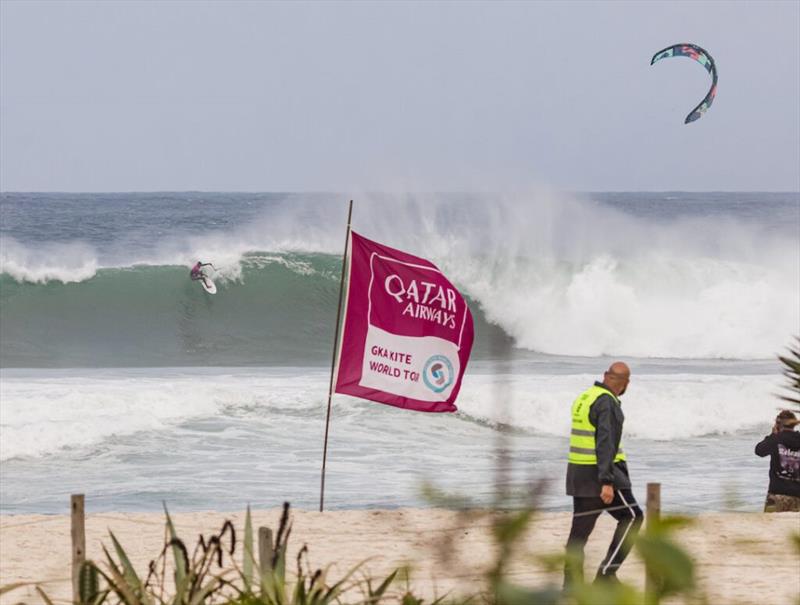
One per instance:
(122,379)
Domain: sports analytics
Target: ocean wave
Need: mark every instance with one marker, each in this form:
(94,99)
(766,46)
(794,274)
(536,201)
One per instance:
(557,274)
(44,413)
(280,308)
(656,406)
(69,262)
(48,414)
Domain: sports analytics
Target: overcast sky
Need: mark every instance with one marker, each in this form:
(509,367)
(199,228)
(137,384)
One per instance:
(257,96)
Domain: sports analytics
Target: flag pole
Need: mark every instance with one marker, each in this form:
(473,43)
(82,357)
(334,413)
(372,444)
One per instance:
(333,359)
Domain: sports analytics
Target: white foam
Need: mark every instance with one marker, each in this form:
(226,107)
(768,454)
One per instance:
(560,275)
(68,262)
(565,275)
(647,306)
(662,407)
(572,277)
(44,411)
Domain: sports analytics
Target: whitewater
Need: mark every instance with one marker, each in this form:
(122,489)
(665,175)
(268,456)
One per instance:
(121,378)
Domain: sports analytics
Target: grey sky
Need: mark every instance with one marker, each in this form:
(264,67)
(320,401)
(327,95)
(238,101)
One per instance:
(348,96)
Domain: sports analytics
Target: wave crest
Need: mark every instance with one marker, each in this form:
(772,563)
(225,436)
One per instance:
(67,262)
(558,274)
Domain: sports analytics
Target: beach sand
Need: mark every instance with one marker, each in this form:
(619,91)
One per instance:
(743,557)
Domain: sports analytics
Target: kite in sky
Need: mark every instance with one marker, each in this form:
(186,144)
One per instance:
(703,58)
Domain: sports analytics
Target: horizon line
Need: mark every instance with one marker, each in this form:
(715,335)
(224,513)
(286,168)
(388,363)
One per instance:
(373,192)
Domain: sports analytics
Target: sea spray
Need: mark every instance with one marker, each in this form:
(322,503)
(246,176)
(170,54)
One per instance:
(278,308)
(714,276)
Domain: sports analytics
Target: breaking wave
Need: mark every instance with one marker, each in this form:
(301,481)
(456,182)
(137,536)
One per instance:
(552,275)
(51,410)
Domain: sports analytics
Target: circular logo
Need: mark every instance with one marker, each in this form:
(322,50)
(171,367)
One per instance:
(438,373)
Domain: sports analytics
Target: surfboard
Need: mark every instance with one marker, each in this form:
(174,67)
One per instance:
(208,285)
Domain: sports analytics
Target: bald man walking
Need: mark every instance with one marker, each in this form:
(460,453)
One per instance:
(597,475)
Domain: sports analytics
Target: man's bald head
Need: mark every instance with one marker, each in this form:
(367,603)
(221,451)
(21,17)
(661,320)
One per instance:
(617,377)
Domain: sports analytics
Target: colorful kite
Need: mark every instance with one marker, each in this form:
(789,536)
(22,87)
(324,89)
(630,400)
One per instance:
(703,58)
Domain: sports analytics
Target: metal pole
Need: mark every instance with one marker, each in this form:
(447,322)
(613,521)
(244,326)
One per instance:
(333,359)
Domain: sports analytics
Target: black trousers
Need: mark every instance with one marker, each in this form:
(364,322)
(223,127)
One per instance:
(586,511)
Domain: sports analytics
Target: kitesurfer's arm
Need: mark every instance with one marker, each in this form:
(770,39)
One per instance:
(604,420)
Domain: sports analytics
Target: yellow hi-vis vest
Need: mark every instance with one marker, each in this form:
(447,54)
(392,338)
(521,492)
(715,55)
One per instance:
(582,447)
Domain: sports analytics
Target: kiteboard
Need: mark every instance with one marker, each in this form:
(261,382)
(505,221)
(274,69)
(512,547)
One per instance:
(208,285)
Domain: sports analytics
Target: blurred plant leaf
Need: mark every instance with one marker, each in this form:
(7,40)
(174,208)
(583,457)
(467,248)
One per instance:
(670,567)
(249,558)
(178,556)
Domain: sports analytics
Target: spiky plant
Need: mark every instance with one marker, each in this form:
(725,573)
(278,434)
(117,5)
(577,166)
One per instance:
(791,369)
(210,575)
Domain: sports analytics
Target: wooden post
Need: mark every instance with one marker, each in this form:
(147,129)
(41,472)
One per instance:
(78,543)
(652,519)
(264,549)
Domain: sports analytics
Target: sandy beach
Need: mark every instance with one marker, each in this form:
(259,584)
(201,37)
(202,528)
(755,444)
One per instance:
(743,557)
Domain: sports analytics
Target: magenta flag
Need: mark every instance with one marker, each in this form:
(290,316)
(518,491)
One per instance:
(407,331)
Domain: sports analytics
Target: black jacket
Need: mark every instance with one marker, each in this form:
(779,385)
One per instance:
(784,465)
(586,480)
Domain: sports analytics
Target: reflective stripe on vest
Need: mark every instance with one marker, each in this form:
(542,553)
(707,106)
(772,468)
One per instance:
(582,446)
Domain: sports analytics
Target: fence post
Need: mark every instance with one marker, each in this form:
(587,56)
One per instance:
(78,543)
(264,549)
(652,518)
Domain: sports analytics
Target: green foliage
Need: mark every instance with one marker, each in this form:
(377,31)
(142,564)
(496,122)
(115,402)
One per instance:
(671,569)
(210,574)
(13,586)
(791,371)
(179,554)
(44,596)
(249,558)
(88,583)
(309,588)
(507,529)
(796,540)
(507,593)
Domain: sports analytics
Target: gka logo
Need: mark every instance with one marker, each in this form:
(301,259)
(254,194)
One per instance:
(438,373)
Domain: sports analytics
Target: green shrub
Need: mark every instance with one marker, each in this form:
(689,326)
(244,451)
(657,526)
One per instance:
(211,575)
